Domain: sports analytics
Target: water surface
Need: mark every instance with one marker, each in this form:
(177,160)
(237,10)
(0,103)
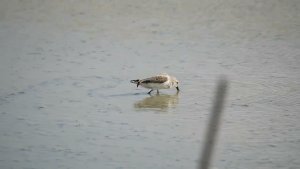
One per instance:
(66,100)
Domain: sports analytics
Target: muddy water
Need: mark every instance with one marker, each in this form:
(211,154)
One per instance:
(66,100)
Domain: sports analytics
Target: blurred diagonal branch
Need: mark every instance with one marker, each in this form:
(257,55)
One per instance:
(213,125)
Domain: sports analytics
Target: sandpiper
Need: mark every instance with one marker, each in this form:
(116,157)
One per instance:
(161,81)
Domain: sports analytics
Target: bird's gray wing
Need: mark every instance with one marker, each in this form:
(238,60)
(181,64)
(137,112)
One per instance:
(155,79)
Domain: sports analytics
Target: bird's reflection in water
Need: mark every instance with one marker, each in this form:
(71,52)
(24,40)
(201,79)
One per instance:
(161,102)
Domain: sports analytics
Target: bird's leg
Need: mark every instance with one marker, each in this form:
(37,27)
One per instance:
(150,91)
(157,91)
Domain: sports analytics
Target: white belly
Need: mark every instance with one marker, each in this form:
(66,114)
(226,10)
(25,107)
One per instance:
(155,86)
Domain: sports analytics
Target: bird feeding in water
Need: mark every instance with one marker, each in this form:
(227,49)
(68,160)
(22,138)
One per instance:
(161,81)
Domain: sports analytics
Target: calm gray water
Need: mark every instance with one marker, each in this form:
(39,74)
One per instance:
(66,100)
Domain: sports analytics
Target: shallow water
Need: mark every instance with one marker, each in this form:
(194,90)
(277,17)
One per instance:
(66,100)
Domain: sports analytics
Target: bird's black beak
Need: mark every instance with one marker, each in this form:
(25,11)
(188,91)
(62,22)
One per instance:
(177,88)
(137,82)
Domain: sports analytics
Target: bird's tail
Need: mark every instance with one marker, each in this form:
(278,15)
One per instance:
(137,82)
